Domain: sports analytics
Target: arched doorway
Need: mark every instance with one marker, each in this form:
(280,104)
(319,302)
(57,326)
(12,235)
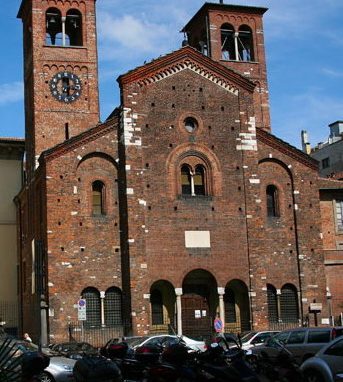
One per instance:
(199,302)
(237,308)
(162,307)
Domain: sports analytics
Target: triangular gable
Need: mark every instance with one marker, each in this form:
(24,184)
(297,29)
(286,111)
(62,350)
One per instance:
(286,148)
(81,139)
(188,58)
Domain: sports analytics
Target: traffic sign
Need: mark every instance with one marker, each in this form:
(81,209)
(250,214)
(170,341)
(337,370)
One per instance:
(81,310)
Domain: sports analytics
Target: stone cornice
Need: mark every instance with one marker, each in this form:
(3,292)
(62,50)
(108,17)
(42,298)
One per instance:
(285,148)
(187,58)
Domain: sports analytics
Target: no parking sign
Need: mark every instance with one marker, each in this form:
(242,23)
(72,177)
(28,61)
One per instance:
(81,310)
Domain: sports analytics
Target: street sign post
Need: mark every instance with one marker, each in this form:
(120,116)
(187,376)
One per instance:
(81,310)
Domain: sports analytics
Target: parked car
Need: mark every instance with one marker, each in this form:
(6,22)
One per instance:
(253,338)
(303,343)
(167,339)
(326,365)
(60,369)
(75,350)
(163,340)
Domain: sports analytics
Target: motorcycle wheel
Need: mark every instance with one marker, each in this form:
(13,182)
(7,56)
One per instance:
(45,377)
(313,376)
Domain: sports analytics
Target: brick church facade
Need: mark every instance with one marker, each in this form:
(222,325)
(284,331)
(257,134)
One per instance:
(180,205)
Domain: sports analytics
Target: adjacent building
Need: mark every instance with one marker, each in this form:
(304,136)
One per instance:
(11,162)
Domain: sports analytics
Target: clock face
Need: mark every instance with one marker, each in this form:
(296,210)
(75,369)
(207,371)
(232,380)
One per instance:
(65,87)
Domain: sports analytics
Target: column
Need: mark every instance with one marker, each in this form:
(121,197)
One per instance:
(236,46)
(63,31)
(278,294)
(221,292)
(102,307)
(178,292)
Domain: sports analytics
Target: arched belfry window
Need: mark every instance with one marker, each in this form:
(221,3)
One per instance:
(228,42)
(98,198)
(193,180)
(73,27)
(272,201)
(63,31)
(245,44)
(53,19)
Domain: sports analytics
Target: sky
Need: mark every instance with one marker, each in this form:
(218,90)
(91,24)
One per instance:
(304,48)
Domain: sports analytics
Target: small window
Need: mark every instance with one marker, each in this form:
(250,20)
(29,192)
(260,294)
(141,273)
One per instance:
(339,214)
(325,163)
(228,42)
(318,336)
(272,201)
(98,189)
(296,337)
(336,349)
(190,124)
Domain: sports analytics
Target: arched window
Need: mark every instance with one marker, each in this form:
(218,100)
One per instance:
(193,180)
(113,307)
(93,307)
(186,180)
(53,21)
(73,27)
(230,306)
(227,33)
(272,201)
(62,31)
(156,301)
(273,315)
(98,196)
(245,44)
(199,180)
(289,311)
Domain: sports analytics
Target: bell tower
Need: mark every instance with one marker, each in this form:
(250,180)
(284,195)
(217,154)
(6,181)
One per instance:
(233,36)
(60,73)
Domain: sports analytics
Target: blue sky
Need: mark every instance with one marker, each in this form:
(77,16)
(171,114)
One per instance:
(304,44)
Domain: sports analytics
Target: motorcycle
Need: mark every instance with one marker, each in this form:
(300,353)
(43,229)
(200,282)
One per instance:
(282,367)
(220,363)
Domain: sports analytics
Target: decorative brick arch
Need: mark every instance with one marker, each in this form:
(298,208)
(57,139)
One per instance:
(193,151)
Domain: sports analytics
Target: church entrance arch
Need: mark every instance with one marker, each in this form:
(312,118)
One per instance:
(199,301)
(237,307)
